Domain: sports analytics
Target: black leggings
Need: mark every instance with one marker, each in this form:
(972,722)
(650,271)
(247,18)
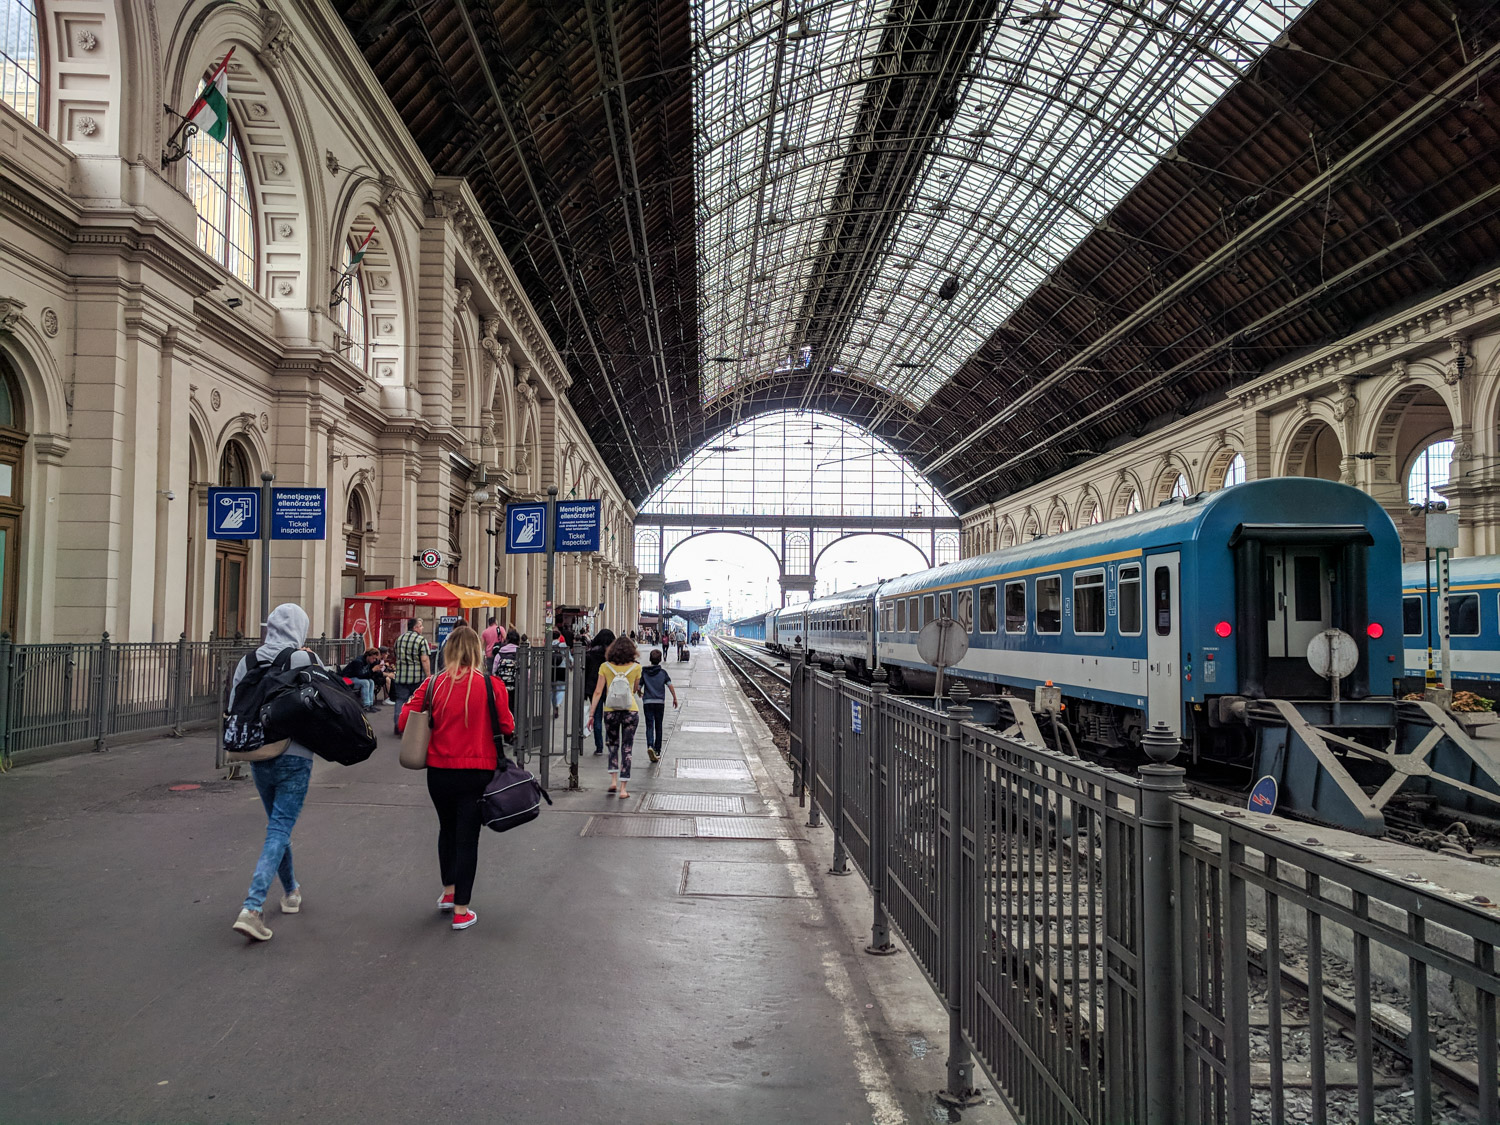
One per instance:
(455,795)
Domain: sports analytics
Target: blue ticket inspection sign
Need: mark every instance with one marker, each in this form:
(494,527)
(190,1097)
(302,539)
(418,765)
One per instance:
(578,524)
(525,529)
(299,513)
(234,513)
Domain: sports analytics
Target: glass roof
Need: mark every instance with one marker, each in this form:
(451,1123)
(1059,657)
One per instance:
(1064,108)
(797,464)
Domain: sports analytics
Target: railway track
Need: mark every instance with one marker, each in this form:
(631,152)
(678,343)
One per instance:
(755,670)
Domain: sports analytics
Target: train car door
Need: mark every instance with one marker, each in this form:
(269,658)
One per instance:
(1297,601)
(1164,643)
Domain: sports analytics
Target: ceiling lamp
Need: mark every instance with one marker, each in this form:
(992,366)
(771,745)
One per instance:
(949,289)
(800,30)
(1046,14)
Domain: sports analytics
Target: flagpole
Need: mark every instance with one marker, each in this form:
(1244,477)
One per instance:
(175,149)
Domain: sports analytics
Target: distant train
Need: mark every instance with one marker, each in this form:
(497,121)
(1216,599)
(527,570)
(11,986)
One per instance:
(1172,615)
(1473,620)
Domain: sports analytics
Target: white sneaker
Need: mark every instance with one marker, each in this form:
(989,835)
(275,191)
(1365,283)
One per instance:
(252,924)
(292,903)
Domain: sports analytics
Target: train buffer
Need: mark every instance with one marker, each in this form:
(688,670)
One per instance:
(1347,763)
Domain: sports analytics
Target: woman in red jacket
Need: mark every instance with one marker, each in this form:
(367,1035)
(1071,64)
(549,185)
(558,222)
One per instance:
(461,760)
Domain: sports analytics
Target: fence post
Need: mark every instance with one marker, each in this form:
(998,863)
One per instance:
(102,694)
(7,669)
(880,929)
(577,706)
(798,744)
(956,976)
(520,703)
(840,853)
(179,686)
(810,730)
(1161,957)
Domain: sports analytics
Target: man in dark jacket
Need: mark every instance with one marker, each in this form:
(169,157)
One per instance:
(362,673)
(593,660)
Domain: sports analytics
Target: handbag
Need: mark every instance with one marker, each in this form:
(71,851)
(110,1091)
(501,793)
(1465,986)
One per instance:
(418,732)
(512,797)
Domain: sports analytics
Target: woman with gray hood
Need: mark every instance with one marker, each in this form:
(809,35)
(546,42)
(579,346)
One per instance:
(280,780)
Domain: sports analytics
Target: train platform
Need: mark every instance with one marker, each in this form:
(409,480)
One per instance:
(679,956)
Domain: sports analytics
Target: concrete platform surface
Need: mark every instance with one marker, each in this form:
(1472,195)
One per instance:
(612,977)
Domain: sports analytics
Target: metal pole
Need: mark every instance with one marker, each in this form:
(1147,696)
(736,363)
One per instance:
(550,623)
(1443,622)
(266,477)
(840,853)
(1428,605)
(1160,964)
(880,930)
(957,975)
(577,702)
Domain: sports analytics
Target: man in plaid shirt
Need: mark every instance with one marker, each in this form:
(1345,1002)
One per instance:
(413,665)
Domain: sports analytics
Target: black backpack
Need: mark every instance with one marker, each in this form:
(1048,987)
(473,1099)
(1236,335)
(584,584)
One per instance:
(320,711)
(243,730)
(513,796)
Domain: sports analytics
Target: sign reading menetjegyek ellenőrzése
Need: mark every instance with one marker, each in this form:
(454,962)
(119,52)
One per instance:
(578,524)
(299,513)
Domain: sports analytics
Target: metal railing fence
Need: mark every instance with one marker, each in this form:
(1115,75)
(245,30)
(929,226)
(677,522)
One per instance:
(1112,951)
(69,696)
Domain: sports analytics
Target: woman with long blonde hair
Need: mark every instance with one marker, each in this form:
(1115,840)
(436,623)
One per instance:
(461,759)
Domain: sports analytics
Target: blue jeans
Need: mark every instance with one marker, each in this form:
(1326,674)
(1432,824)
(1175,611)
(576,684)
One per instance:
(366,689)
(653,713)
(282,784)
(599,727)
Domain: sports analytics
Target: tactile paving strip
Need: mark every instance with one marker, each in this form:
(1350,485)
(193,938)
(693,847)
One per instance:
(679,827)
(695,803)
(735,769)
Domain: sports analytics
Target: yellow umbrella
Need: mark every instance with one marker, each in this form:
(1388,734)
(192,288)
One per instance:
(475,599)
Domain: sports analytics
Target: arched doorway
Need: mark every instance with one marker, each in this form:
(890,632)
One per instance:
(1315,452)
(13,438)
(232,556)
(354,546)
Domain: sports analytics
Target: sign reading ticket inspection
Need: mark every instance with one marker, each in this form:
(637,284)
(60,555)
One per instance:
(299,513)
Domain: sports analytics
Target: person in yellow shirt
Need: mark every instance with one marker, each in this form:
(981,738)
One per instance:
(618,685)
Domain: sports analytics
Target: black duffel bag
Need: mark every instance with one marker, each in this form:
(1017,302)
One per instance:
(320,711)
(513,796)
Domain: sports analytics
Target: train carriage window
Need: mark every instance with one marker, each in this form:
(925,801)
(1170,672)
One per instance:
(913,615)
(945,604)
(927,613)
(1161,598)
(1129,584)
(901,616)
(1049,604)
(1015,607)
(1411,617)
(1088,603)
(1463,615)
(1307,579)
(987,609)
(966,610)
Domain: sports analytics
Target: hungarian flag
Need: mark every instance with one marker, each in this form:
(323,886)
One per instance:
(359,252)
(211,111)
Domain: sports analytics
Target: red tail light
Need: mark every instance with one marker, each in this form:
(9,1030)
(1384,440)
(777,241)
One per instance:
(1223,628)
(1375,629)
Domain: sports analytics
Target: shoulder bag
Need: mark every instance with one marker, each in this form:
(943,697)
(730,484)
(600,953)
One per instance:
(418,732)
(513,796)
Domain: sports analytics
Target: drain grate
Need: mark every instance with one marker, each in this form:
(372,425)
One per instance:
(695,803)
(739,828)
(722,768)
(687,827)
(710,878)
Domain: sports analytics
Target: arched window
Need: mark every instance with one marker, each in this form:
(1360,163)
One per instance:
(356,314)
(220,191)
(1133,504)
(234,467)
(21,59)
(1235,474)
(1180,488)
(1429,472)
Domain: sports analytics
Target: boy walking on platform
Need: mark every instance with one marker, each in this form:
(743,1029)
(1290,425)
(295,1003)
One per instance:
(655,683)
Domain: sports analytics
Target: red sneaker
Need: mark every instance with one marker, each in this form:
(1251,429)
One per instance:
(446,902)
(464,920)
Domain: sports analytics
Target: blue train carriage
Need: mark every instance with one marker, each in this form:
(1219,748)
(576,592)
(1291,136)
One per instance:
(1473,622)
(1164,615)
(836,629)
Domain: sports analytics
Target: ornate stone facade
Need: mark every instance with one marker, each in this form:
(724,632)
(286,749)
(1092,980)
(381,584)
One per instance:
(1361,410)
(145,371)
